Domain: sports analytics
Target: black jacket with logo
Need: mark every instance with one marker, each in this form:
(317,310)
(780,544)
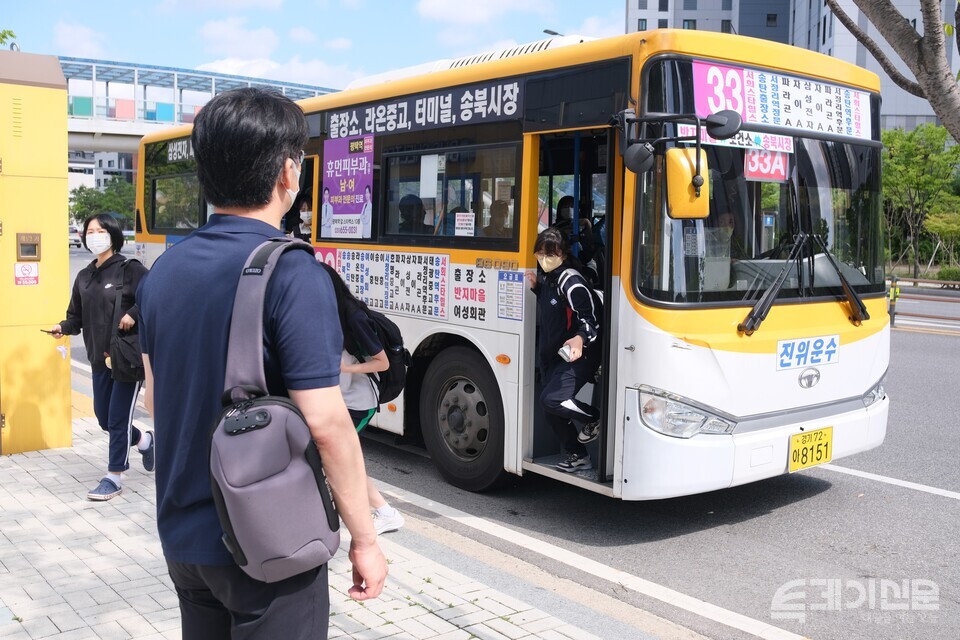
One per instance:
(568,307)
(93,300)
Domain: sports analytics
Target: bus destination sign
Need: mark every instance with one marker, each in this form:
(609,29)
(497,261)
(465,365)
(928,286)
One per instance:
(471,104)
(781,100)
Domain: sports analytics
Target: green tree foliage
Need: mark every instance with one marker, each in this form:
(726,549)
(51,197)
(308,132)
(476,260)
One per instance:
(944,222)
(117,196)
(7,36)
(918,171)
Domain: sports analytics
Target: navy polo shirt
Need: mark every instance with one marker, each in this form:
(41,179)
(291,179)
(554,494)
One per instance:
(186,302)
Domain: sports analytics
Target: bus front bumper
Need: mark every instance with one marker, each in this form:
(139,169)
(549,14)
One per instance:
(656,466)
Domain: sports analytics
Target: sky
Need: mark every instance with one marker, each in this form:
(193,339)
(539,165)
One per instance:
(326,43)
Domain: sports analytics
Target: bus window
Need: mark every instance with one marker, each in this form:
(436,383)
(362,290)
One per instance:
(176,203)
(451,193)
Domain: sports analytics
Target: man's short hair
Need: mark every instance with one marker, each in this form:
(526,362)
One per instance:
(241,139)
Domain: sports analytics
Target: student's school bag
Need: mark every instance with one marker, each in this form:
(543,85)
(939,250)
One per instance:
(388,383)
(271,495)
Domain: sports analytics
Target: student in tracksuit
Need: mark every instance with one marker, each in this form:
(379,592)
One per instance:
(91,309)
(569,319)
(358,389)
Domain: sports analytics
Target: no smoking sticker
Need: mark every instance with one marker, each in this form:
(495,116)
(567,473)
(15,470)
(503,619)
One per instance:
(26,274)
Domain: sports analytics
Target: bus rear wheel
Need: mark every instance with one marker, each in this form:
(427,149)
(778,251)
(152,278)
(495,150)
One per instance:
(462,419)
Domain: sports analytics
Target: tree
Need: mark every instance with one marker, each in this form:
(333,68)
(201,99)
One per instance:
(7,36)
(917,176)
(118,196)
(944,222)
(925,56)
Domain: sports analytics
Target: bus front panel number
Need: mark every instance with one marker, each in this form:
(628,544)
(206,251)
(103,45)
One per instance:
(810,448)
(727,87)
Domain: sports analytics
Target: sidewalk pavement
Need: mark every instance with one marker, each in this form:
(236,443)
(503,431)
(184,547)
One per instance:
(74,569)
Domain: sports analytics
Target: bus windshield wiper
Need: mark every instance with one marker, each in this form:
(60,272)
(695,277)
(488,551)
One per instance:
(857,308)
(760,310)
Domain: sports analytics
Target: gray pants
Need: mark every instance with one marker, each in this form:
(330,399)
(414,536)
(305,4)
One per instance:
(224,603)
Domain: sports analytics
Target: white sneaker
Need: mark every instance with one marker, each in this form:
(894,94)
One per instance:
(383,523)
(574,462)
(589,432)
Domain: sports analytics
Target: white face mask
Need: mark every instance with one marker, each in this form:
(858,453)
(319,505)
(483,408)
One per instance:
(306,216)
(97,243)
(291,192)
(549,263)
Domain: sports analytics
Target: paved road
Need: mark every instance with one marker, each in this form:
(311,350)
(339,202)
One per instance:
(935,302)
(736,548)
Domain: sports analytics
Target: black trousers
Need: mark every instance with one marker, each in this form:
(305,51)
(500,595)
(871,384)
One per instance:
(561,382)
(114,404)
(224,603)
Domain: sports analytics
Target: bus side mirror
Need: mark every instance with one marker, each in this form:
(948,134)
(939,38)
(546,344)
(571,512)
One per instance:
(638,157)
(723,125)
(686,199)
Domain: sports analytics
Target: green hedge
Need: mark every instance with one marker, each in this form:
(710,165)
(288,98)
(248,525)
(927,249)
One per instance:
(949,273)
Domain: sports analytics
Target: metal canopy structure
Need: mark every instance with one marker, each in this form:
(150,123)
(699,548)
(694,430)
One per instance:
(145,75)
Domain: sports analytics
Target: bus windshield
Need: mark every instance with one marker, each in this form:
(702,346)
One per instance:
(762,198)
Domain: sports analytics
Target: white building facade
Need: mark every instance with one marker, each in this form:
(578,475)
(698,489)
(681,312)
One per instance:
(768,19)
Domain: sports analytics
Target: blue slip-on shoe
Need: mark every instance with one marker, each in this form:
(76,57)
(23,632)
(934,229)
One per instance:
(105,490)
(148,454)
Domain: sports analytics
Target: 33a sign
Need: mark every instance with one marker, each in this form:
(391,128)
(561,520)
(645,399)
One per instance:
(765,165)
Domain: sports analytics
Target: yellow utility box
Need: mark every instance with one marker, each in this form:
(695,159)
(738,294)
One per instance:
(34,254)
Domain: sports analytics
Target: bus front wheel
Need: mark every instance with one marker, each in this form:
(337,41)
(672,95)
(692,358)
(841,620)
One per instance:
(462,419)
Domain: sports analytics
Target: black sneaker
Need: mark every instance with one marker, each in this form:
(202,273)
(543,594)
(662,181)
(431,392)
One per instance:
(149,454)
(575,462)
(589,432)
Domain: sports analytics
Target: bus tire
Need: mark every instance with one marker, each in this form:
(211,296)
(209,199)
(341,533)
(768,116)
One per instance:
(461,415)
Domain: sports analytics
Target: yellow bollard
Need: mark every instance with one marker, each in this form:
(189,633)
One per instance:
(34,254)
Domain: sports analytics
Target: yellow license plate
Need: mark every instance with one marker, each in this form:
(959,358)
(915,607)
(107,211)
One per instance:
(810,448)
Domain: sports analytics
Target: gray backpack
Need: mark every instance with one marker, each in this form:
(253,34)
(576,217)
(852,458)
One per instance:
(271,494)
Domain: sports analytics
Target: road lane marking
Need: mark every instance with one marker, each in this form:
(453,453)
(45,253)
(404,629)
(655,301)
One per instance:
(920,328)
(582,563)
(531,574)
(894,481)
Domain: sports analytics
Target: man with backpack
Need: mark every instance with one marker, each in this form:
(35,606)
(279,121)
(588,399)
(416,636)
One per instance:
(363,365)
(248,146)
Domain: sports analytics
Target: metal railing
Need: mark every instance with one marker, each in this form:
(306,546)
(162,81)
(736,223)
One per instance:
(894,294)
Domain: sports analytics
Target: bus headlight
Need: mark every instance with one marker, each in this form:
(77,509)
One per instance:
(875,394)
(665,413)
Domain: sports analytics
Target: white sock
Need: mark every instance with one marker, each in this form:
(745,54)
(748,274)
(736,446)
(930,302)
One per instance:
(116,477)
(386,511)
(145,441)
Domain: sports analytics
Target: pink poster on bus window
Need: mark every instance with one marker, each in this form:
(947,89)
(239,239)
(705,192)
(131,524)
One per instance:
(346,199)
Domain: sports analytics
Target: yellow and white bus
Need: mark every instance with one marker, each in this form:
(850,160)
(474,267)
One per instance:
(745,328)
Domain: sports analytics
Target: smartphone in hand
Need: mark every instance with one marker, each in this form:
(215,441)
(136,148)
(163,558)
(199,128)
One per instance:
(48,332)
(565,352)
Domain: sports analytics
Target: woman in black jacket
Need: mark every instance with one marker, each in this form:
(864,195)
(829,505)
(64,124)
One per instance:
(92,310)
(569,322)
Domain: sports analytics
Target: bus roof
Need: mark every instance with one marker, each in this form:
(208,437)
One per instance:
(709,45)
(739,50)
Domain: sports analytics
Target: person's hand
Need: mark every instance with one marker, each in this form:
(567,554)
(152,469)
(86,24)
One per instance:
(127,322)
(369,571)
(531,278)
(576,347)
(56,332)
